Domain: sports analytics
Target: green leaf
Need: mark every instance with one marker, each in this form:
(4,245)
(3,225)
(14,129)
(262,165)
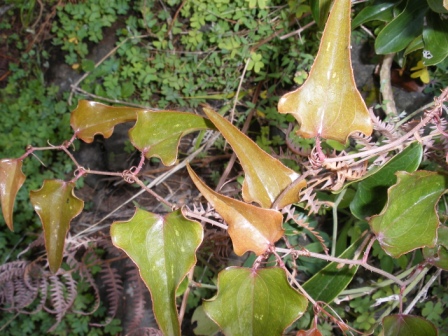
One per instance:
(326,284)
(319,11)
(260,184)
(409,219)
(379,11)
(11,180)
(87,65)
(204,325)
(251,228)
(342,111)
(403,29)
(407,325)
(91,118)
(158,133)
(438,6)
(438,256)
(56,205)
(416,44)
(435,39)
(371,195)
(164,249)
(254,302)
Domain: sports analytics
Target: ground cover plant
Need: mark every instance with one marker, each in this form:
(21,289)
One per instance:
(380,181)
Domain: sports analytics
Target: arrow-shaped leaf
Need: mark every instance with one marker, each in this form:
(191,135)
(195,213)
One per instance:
(11,180)
(164,249)
(329,105)
(251,228)
(56,205)
(91,118)
(409,220)
(158,133)
(255,302)
(261,184)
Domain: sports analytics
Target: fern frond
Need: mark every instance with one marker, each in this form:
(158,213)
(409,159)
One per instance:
(303,224)
(114,288)
(57,300)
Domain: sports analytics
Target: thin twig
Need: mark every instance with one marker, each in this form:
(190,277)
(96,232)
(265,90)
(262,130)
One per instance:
(386,86)
(183,306)
(298,31)
(344,261)
(423,291)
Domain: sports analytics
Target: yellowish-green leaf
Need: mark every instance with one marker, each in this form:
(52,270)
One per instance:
(251,228)
(255,302)
(158,133)
(420,71)
(91,118)
(11,180)
(329,105)
(56,205)
(164,249)
(266,178)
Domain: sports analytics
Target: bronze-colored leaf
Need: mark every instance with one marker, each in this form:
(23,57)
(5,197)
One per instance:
(251,228)
(91,118)
(56,205)
(11,180)
(329,105)
(265,177)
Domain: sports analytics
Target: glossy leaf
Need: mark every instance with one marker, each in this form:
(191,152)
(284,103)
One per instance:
(438,6)
(56,205)
(379,11)
(158,133)
(403,29)
(251,228)
(438,256)
(164,249)
(326,284)
(91,118)
(407,325)
(329,105)
(260,185)
(409,219)
(11,180)
(371,195)
(319,11)
(435,39)
(254,302)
